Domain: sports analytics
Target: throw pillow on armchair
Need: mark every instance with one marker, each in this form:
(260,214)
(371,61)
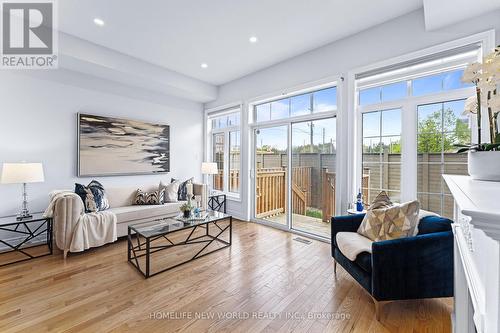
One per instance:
(385,220)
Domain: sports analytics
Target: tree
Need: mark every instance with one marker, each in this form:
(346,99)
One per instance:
(432,139)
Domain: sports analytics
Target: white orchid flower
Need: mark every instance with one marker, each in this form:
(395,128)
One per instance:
(472,73)
(494,103)
(470,106)
(487,83)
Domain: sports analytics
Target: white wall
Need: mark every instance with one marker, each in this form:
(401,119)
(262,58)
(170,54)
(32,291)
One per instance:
(391,39)
(38,124)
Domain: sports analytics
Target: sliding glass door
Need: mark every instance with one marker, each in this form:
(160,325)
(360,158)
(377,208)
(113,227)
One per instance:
(313,176)
(308,204)
(271,160)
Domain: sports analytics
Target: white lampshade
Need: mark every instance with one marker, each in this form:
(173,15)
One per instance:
(18,173)
(208,168)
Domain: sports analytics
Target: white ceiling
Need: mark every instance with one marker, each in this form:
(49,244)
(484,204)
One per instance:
(180,35)
(441,13)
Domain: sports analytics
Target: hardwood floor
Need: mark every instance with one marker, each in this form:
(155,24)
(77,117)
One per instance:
(265,275)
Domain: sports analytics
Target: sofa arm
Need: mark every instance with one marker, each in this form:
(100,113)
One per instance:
(345,223)
(67,211)
(413,267)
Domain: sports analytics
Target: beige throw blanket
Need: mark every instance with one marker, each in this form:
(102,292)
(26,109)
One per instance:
(91,230)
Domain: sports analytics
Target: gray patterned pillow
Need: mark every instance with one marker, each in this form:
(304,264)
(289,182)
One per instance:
(149,198)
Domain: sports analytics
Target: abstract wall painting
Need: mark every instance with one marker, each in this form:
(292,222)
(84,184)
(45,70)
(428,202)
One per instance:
(111,146)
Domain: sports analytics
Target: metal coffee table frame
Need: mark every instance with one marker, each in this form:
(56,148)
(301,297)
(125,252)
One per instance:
(146,248)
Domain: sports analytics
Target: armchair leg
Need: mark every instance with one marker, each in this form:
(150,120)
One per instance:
(378,307)
(65,254)
(335,267)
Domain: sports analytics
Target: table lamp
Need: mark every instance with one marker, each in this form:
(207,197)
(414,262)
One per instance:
(22,173)
(209,168)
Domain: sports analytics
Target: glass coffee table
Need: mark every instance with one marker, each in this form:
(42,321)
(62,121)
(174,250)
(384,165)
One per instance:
(184,240)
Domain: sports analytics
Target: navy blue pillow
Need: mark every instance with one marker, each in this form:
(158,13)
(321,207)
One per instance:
(182,192)
(93,196)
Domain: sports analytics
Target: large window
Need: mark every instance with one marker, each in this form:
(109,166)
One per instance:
(409,125)
(225,141)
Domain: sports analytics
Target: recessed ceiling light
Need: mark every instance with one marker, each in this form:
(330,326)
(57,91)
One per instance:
(204,65)
(98,21)
(253,39)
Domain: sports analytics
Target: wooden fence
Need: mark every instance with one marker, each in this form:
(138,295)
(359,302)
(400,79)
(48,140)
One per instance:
(271,190)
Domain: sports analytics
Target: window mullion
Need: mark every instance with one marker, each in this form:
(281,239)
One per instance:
(227,144)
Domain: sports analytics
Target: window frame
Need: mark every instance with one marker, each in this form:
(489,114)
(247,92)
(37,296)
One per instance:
(226,131)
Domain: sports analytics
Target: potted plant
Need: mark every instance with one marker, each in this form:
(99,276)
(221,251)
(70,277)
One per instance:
(186,210)
(484,158)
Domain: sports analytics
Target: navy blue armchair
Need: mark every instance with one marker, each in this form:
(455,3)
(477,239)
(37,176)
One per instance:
(406,268)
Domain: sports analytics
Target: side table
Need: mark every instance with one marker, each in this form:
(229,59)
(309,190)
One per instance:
(354,211)
(217,202)
(18,237)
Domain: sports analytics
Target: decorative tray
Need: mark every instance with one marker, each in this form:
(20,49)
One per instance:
(202,216)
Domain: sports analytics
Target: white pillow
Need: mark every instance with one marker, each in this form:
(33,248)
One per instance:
(170,191)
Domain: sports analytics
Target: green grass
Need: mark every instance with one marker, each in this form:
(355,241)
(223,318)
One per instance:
(313,212)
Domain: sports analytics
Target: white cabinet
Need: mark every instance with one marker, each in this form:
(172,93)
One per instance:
(477,257)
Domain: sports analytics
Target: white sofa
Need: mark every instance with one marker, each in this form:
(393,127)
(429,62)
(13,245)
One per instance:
(67,211)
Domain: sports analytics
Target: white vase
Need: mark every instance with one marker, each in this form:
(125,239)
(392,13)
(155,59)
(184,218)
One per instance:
(484,165)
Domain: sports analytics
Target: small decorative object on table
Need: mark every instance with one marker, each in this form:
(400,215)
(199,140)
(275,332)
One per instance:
(186,210)
(359,202)
(484,158)
(22,173)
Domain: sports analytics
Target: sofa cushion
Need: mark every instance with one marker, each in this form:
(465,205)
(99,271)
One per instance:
(354,269)
(364,260)
(133,213)
(124,196)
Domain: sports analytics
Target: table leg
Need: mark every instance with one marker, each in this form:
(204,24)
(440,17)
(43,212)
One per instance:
(147,256)
(129,244)
(230,230)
